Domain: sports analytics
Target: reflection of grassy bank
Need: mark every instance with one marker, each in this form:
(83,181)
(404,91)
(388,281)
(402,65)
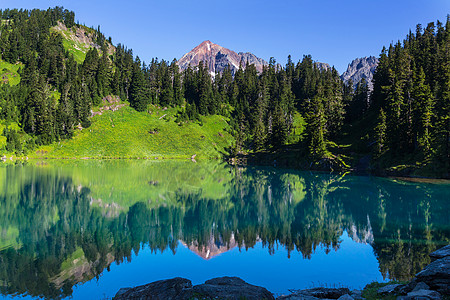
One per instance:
(126,182)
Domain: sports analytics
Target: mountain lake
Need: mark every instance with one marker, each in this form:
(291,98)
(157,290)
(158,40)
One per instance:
(82,229)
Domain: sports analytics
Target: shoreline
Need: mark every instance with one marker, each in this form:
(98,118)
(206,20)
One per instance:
(241,163)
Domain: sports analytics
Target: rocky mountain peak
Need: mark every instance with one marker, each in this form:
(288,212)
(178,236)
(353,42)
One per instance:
(217,58)
(360,68)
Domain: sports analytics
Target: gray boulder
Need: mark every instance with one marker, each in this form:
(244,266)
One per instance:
(389,289)
(441,253)
(317,293)
(170,289)
(421,286)
(421,295)
(405,289)
(437,275)
(230,288)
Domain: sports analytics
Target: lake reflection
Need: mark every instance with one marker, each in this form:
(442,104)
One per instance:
(63,223)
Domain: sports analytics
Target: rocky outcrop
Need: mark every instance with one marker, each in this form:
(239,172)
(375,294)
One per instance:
(322,66)
(217,58)
(421,295)
(361,68)
(82,38)
(437,275)
(232,288)
(441,253)
(430,283)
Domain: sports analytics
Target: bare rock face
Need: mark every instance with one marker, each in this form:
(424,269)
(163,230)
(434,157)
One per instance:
(322,66)
(361,68)
(217,58)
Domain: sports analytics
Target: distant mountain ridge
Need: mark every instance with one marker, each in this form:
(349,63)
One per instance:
(360,68)
(217,58)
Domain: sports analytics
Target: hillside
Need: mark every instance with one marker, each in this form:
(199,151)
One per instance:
(79,39)
(126,133)
(9,73)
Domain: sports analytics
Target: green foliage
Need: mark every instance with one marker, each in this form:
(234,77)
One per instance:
(370,291)
(127,133)
(9,73)
(315,128)
(410,85)
(56,77)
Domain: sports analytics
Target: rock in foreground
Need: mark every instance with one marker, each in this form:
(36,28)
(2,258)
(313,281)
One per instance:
(441,253)
(170,289)
(178,288)
(230,288)
(317,293)
(437,275)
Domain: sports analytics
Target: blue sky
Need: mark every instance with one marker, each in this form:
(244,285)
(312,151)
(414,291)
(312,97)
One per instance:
(332,31)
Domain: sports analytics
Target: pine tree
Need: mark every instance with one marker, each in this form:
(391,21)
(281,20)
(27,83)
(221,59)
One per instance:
(315,128)
(423,109)
(380,133)
(138,98)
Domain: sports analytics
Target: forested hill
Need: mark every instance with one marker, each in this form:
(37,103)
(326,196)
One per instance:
(58,76)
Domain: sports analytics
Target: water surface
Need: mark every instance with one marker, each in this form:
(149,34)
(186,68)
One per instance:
(83,229)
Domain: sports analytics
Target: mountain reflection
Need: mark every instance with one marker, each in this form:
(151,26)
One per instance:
(63,224)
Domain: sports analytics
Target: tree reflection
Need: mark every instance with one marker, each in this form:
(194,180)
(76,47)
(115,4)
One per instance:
(54,235)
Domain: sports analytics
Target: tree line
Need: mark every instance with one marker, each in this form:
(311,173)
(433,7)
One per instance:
(407,111)
(412,96)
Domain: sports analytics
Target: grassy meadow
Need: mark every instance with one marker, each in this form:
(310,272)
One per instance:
(153,134)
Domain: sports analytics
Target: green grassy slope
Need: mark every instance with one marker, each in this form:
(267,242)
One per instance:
(9,72)
(78,40)
(127,133)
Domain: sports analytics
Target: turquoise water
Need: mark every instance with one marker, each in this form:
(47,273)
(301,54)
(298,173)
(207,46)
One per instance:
(83,229)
